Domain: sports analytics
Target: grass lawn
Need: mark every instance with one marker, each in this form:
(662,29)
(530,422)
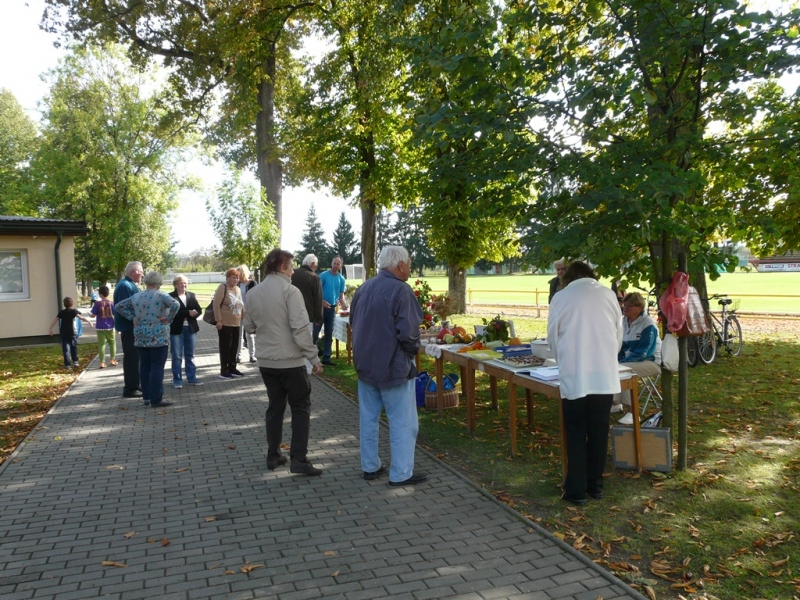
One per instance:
(753,289)
(726,528)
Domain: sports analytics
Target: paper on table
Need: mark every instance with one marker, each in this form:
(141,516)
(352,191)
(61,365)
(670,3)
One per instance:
(543,373)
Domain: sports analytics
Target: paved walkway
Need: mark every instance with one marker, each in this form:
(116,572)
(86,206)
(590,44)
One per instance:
(179,504)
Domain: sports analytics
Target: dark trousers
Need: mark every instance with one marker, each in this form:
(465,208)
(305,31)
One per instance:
(292,385)
(328,317)
(130,363)
(586,426)
(69,348)
(228,346)
(151,370)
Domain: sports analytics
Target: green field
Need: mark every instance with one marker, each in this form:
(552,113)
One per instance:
(758,292)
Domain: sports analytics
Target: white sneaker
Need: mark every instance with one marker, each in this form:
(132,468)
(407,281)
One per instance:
(626,420)
(615,408)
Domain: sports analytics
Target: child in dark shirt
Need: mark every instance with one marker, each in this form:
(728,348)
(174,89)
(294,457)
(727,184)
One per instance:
(69,338)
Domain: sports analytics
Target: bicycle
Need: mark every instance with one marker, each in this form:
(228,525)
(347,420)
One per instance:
(723,331)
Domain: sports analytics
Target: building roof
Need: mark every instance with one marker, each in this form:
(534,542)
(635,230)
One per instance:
(35,226)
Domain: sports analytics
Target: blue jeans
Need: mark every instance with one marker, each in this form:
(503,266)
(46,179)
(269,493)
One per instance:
(151,373)
(69,347)
(328,316)
(401,410)
(182,346)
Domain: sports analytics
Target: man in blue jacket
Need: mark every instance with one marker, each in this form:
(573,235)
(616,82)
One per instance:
(130,360)
(385,317)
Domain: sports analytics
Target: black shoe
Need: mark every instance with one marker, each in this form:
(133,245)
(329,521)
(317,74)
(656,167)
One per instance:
(225,376)
(304,467)
(328,363)
(133,394)
(414,479)
(575,501)
(160,404)
(278,462)
(237,373)
(596,495)
(372,476)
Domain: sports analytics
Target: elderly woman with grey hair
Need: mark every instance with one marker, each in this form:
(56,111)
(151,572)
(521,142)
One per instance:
(151,312)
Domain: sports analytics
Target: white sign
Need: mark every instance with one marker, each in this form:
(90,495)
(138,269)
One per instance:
(772,267)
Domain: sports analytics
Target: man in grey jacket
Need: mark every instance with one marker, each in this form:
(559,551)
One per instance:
(277,315)
(385,317)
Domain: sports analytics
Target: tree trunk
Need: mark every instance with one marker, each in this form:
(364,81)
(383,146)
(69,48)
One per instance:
(457,287)
(270,169)
(368,237)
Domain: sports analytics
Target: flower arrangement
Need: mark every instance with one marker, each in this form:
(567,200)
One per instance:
(442,306)
(422,290)
(495,329)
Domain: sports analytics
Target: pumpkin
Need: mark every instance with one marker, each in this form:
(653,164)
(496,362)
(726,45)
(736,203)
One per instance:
(459,330)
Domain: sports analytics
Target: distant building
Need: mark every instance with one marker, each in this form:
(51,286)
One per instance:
(786,262)
(37,269)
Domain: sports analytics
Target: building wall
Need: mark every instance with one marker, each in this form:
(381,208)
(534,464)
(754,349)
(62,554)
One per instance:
(31,318)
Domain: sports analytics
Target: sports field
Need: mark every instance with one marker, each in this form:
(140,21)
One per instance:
(758,292)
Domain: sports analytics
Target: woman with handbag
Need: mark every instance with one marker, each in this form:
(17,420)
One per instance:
(228,312)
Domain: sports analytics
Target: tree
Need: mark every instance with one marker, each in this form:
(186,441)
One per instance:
(346,126)
(18,140)
(244,223)
(344,242)
(108,155)
(313,241)
(225,51)
(470,189)
(409,229)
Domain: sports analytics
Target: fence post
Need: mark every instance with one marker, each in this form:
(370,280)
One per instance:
(538,310)
(469,296)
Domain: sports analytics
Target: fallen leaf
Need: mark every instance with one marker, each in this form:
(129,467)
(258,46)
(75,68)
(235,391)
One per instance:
(115,467)
(151,540)
(248,568)
(182,470)
(331,553)
(209,519)
(130,534)
(164,542)
(231,447)
(780,563)
(651,593)
(124,408)
(111,563)
(335,574)
(58,438)
(229,572)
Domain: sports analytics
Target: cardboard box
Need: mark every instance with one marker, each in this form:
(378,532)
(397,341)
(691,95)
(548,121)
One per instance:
(656,448)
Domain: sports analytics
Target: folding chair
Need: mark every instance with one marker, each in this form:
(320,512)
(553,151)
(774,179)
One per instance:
(649,391)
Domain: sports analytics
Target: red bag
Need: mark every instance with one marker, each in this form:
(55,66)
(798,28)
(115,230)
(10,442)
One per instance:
(696,321)
(673,302)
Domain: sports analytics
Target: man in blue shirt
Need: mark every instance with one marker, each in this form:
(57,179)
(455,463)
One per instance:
(130,358)
(333,284)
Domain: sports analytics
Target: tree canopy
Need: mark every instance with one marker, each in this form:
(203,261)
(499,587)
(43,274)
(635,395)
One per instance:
(244,223)
(18,142)
(108,155)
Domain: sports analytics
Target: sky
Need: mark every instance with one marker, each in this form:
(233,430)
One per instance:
(28,52)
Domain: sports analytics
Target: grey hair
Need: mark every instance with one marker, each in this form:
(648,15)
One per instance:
(559,263)
(179,278)
(310,259)
(153,279)
(129,267)
(392,256)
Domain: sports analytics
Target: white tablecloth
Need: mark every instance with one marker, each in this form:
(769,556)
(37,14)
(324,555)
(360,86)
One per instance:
(340,328)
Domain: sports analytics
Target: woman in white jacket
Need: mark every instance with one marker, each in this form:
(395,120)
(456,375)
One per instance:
(584,331)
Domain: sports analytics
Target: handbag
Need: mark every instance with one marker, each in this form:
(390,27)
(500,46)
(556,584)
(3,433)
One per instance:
(208,314)
(696,322)
(669,353)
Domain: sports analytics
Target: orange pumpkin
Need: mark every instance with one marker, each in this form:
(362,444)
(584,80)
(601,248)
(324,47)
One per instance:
(515,341)
(459,330)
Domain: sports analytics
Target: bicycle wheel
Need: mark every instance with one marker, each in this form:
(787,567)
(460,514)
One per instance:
(691,352)
(732,334)
(707,346)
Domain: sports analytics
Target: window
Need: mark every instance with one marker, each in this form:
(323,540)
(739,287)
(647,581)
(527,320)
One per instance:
(14,275)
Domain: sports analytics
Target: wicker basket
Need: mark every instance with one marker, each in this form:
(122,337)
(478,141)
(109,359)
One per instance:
(449,399)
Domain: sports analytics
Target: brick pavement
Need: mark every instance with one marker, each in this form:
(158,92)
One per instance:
(182,498)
